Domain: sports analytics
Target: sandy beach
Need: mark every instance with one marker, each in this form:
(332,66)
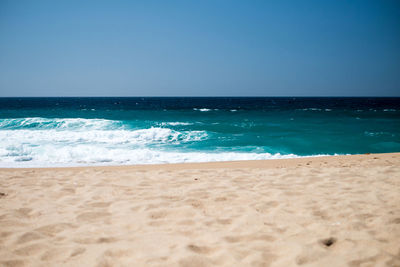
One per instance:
(322,211)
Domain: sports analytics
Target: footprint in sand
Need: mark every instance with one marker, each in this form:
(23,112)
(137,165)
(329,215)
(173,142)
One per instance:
(99,204)
(23,213)
(29,236)
(194,203)
(77,252)
(199,249)
(224,221)
(92,216)
(262,237)
(53,229)
(219,199)
(12,263)
(158,215)
(30,250)
(55,254)
(95,240)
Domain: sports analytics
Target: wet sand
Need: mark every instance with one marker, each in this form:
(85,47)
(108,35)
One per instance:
(323,211)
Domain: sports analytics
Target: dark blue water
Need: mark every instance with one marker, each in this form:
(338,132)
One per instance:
(74,131)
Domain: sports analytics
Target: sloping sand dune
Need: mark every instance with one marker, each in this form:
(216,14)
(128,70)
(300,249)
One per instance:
(325,211)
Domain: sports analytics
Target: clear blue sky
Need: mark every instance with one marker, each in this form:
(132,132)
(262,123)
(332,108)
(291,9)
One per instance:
(200,48)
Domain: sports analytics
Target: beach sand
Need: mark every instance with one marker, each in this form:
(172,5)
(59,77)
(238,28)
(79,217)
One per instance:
(322,211)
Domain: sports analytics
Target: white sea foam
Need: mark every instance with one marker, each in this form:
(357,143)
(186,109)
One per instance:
(60,123)
(85,154)
(203,109)
(112,137)
(176,123)
(41,142)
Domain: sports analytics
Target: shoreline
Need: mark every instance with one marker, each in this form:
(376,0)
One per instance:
(320,211)
(263,163)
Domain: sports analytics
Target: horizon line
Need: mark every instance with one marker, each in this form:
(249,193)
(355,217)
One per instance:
(200,96)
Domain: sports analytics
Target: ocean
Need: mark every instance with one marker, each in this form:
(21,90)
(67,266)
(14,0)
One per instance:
(76,131)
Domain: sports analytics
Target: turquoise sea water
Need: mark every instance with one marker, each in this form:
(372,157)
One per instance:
(108,131)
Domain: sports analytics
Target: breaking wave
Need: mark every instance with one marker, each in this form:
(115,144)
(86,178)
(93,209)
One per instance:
(41,142)
(37,123)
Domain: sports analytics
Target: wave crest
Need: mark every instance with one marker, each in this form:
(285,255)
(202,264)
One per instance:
(59,123)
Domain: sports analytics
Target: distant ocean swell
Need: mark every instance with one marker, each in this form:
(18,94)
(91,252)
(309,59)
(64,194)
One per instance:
(41,142)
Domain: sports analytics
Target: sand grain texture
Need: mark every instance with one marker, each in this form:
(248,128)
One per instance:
(326,211)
